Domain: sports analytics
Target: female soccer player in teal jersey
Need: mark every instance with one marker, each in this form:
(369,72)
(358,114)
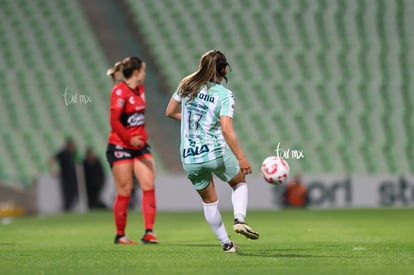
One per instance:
(209,144)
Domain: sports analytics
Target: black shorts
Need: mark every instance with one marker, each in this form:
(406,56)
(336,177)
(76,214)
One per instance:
(118,154)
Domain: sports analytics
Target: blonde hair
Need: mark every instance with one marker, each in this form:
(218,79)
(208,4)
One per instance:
(116,72)
(212,63)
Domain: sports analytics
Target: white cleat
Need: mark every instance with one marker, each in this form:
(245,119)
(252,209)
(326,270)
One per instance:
(230,248)
(244,229)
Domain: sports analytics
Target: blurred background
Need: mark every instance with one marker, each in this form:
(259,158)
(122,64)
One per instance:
(331,78)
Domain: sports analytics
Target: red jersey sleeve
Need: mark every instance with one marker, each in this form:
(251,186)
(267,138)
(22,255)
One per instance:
(117,104)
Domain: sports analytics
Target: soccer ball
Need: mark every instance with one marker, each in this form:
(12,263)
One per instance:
(275,170)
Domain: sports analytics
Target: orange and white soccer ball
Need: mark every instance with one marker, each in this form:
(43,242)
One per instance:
(275,170)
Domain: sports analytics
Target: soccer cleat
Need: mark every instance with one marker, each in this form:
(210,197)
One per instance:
(123,240)
(149,238)
(230,247)
(244,229)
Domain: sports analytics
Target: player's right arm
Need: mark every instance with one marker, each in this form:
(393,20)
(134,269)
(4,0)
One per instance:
(231,139)
(229,134)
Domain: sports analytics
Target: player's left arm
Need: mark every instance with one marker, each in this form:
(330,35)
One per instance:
(173,109)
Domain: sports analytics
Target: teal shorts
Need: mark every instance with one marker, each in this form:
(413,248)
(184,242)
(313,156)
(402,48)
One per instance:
(225,168)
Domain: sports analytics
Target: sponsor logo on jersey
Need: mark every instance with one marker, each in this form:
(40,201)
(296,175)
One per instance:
(118,92)
(121,154)
(206,97)
(136,119)
(195,151)
(121,102)
(131,100)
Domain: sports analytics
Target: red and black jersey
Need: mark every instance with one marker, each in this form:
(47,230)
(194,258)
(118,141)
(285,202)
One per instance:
(127,110)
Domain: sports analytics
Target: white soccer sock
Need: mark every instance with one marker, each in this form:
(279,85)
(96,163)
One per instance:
(239,198)
(213,217)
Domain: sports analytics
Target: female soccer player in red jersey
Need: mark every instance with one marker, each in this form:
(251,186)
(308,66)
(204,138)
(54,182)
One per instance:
(128,153)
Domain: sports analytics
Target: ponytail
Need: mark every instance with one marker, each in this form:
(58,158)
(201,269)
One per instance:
(116,72)
(212,64)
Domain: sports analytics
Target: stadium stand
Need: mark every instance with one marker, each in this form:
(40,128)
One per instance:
(48,50)
(328,77)
(331,78)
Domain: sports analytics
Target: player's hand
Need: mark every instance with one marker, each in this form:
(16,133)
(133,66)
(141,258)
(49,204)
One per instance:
(137,141)
(245,167)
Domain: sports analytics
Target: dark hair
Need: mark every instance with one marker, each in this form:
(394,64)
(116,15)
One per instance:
(130,64)
(221,65)
(124,69)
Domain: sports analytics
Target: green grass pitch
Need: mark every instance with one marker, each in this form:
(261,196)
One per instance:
(292,242)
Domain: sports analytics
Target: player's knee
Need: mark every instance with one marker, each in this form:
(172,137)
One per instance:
(149,185)
(124,187)
(239,178)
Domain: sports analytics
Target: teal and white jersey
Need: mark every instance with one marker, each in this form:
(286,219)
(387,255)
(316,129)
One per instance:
(201,136)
